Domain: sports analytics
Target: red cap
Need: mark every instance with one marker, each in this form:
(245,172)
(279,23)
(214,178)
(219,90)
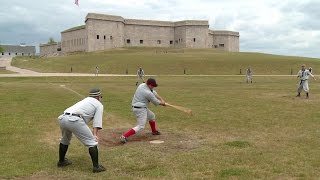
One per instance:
(152,82)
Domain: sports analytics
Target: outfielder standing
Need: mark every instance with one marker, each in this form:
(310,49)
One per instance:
(144,94)
(97,71)
(74,120)
(249,75)
(140,75)
(304,74)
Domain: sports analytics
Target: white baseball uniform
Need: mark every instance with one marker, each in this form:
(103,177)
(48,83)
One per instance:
(140,101)
(249,75)
(140,74)
(303,83)
(75,119)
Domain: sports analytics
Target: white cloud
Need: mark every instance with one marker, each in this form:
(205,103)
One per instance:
(288,27)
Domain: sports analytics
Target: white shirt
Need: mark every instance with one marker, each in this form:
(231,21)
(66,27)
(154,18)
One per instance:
(90,109)
(143,96)
(304,75)
(140,73)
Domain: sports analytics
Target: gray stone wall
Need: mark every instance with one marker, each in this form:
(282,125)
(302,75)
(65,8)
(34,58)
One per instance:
(74,41)
(104,34)
(197,36)
(148,36)
(226,40)
(180,37)
(48,49)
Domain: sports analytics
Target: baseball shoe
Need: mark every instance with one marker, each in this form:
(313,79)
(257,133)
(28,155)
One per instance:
(123,139)
(156,133)
(98,169)
(64,163)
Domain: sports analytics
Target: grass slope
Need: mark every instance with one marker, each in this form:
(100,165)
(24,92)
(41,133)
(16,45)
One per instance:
(168,61)
(238,131)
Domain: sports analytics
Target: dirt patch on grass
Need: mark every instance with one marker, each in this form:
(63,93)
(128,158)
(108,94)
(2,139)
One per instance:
(172,141)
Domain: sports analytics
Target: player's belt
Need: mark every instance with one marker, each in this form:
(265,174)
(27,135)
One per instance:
(71,114)
(138,107)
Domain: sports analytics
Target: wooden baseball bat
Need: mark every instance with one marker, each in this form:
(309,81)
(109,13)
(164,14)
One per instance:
(180,108)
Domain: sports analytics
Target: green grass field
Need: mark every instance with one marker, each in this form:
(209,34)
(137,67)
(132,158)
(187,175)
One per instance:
(238,131)
(5,72)
(156,62)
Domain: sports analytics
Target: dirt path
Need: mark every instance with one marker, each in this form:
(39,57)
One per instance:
(6,62)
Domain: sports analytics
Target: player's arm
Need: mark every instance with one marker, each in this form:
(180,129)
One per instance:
(312,75)
(163,102)
(152,98)
(97,121)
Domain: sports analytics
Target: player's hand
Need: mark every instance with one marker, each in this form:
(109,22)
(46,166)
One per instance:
(163,103)
(97,138)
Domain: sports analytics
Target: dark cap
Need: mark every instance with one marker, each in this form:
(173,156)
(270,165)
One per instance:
(152,82)
(94,92)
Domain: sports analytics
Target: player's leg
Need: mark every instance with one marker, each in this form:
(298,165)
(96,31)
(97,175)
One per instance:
(306,88)
(84,134)
(141,116)
(300,87)
(66,136)
(152,121)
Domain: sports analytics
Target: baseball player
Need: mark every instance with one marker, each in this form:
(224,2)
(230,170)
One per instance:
(74,120)
(249,75)
(304,74)
(140,75)
(144,94)
(97,71)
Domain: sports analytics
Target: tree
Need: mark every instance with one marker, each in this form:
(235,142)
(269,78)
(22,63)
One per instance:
(51,41)
(1,49)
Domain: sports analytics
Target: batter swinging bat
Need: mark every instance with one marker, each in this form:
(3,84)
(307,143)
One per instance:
(180,108)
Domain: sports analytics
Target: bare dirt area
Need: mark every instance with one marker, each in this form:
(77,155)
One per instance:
(172,142)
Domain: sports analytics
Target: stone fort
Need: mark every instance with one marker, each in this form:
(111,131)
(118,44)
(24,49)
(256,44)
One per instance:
(102,32)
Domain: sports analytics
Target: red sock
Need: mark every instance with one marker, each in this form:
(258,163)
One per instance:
(129,133)
(153,126)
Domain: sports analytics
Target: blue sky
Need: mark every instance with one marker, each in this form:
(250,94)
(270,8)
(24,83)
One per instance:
(287,27)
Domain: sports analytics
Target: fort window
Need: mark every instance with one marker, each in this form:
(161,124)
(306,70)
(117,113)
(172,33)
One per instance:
(111,37)
(128,41)
(22,54)
(159,41)
(2,54)
(194,39)
(16,53)
(104,37)
(171,42)
(9,54)
(221,45)
(141,41)
(98,37)
(215,46)
(59,49)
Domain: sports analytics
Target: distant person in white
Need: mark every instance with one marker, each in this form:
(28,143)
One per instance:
(97,71)
(304,74)
(140,75)
(249,75)
(74,120)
